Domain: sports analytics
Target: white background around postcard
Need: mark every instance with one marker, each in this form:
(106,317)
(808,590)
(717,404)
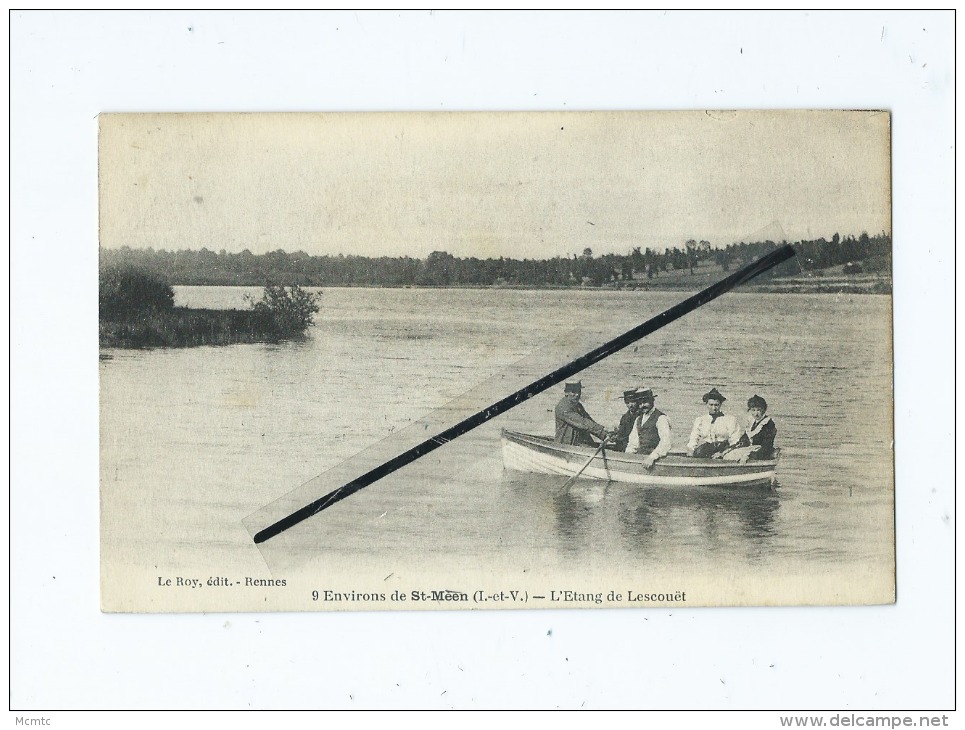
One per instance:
(66,67)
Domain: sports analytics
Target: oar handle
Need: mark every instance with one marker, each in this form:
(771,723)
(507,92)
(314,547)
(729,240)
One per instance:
(582,468)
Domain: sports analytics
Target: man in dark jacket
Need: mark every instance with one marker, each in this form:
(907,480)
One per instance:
(573,423)
(648,430)
(632,402)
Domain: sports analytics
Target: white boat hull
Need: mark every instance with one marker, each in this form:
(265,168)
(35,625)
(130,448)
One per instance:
(541,455)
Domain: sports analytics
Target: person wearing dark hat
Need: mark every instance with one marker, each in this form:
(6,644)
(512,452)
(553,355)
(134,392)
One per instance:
(715,431)
(627,420)
(573,423)
(757,443)
(650,432)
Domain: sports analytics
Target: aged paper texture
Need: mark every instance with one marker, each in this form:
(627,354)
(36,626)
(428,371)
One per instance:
(453,260)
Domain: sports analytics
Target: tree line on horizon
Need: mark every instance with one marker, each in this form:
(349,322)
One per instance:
(440,268)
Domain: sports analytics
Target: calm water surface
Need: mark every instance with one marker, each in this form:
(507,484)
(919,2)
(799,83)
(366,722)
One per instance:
(194,441)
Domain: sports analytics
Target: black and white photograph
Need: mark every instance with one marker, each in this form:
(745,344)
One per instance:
(482,360)
(292,303)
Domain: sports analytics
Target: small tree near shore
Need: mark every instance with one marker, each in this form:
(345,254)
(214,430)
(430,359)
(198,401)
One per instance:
(291,310)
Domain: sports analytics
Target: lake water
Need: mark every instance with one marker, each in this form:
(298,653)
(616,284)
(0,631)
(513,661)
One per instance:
(196,442)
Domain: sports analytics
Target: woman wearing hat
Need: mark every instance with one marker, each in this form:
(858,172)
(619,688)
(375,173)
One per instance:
(757,443)
(714,432)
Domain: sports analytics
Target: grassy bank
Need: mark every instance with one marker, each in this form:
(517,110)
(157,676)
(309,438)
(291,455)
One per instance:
(137,311)
(184,327)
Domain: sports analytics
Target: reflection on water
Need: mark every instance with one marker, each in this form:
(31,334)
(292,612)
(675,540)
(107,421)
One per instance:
(720,515)
(654,521)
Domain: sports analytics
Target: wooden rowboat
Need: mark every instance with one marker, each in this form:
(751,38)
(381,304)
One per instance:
(542,455)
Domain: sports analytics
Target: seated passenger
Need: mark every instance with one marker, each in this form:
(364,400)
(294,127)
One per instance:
(715,431)
(650,434)
(757,443)
(626,420)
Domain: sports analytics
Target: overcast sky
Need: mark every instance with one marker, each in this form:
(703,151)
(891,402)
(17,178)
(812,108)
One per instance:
(524,185)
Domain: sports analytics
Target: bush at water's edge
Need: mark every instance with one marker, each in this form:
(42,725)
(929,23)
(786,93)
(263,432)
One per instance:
(137,310)
(291,310)
(126,292)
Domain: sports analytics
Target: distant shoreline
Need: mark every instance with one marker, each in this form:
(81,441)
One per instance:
(842,265)
(795,286)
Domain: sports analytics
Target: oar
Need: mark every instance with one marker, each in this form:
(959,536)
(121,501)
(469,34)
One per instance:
(575,476)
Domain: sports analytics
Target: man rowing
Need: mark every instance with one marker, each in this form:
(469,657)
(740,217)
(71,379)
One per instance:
(573,424)
(649,430)
(715,431)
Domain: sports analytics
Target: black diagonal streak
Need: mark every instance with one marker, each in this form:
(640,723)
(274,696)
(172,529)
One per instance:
(547,381)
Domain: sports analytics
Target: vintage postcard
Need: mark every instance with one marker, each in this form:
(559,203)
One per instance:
(352,361)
